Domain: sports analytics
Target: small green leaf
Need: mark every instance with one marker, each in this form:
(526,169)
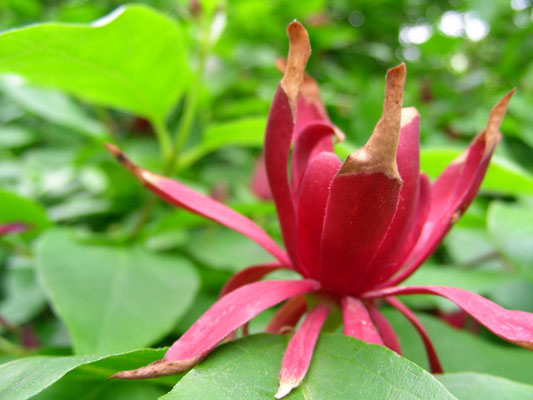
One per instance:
(511,228)
(14,208)
(502,175)
(114,298)
(133,59)
(26,377)
(471,386)
(342,368)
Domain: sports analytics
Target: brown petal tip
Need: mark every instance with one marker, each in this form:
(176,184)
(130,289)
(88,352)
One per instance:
(379,153)
(496,115)
(299,52)
(141,174)
(157,369)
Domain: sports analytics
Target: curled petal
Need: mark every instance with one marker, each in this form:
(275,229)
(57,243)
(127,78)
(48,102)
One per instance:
(363,197)
(434,362)
(357,322)
(225,316)
(249,275)
(455,189)
(184,197)
(288,315)
(297,356)
(311,209)
(514,326)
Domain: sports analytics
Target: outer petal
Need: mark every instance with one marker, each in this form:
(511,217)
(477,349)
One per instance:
(514,326)
(249,275)
(184,197)
(226,315)
(385,330)
(455,189)
(298,354)
(311,209)
(407,158)
(363,198)
(357,321)
(279,132)
(288,315)
(315,138)
(434,362)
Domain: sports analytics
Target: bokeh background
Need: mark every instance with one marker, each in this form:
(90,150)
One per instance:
(55,175)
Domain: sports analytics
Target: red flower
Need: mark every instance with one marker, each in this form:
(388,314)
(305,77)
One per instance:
(353,230)
(15,227)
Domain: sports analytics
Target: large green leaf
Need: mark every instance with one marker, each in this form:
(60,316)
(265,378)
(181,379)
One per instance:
(511,228)
(14,208)
(26,377)
(114,298)
(133,59)
(342,368)
(461,351)
(471,386)
(502,175)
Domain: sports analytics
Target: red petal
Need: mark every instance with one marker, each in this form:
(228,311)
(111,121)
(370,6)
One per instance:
(311,209)
(407,158)
(297,356)
(363,197)
(514,326)
(455,189)
(434,363)
(184,197)
(288,315)
(259,184)
(225,316)
(279,132)
(249,275)
(385,330)
(357,321)
(315,139)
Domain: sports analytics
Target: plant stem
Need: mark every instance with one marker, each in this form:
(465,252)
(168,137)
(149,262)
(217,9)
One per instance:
(164,139)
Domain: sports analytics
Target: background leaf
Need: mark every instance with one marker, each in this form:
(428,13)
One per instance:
(114,298)
(471,386)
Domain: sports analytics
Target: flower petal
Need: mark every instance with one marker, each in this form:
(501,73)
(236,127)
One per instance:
(311,209)
(249,275)
(184,197)
(514,326)
(385,330)
(357,322)
(434,362)
(297,356)
(314,139)
(259,185)
(16,227)
(288,315)
(279,132)
(363,197)
(455,189)
(224,317)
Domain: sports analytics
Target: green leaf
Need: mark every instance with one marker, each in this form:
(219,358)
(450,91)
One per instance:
(134,59)
(26,377)
(471,386)
(14,208)
(461,351)
(502,175)
(54,107)
(114,298)
(247,132)
(511,228)
(342,368)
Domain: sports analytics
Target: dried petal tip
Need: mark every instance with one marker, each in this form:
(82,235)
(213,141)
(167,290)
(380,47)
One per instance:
(156,369)
(299,52)
(496,115)
(379,153)
(141,174)
(284,389)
